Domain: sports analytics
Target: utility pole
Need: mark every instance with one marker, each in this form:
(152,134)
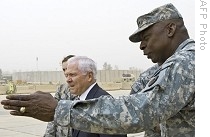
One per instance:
(37,68)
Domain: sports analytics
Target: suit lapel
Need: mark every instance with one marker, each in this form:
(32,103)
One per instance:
(92,92)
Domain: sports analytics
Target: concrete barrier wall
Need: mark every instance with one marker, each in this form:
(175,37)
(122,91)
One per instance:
(26,89)
(39,77)
(56,77)
(49,80)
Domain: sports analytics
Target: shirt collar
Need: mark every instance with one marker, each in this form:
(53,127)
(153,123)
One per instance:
(84,95)
(183,44)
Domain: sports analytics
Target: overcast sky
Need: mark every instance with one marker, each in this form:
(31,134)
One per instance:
(52,29)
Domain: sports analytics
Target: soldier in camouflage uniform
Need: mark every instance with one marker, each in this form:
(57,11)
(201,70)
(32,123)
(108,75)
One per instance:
(167,96)
(62,93)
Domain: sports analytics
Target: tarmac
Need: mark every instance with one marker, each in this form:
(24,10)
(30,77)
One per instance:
(17,126)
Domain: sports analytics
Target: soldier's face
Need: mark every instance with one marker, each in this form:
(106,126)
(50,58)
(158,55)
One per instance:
(156,43)
(64,66)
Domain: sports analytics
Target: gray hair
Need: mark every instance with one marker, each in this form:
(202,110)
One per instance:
(85,64)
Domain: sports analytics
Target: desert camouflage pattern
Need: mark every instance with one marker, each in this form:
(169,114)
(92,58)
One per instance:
(52,130)
(159,14)
(167,99)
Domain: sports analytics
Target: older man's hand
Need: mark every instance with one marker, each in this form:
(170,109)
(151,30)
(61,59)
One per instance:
(39,105)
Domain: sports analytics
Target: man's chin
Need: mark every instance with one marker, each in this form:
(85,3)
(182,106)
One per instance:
(153,60)
(72,91)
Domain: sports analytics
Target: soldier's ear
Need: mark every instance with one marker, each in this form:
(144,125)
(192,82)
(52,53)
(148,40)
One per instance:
(171,28)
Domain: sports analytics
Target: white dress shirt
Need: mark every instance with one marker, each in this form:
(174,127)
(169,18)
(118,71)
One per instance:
(84,95)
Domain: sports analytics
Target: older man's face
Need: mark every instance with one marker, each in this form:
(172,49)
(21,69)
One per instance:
(78,81)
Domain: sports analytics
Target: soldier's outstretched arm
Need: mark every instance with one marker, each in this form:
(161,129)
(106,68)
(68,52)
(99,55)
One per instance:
(170,90)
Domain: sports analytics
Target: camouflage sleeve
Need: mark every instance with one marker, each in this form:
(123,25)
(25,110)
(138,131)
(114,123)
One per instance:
(143,79)
(58,93)
(50,130)
(169,90)
(153,132)
(137,87)
(51,127)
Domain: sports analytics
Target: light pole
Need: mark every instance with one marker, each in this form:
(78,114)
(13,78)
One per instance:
(37,67)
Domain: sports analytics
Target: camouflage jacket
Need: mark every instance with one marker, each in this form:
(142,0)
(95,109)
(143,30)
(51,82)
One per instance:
(52,130)
(167,99)
(138,86)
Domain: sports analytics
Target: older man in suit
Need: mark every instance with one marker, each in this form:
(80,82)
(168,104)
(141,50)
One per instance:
(81,77)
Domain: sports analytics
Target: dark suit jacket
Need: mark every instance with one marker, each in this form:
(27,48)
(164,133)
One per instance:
(95,92)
